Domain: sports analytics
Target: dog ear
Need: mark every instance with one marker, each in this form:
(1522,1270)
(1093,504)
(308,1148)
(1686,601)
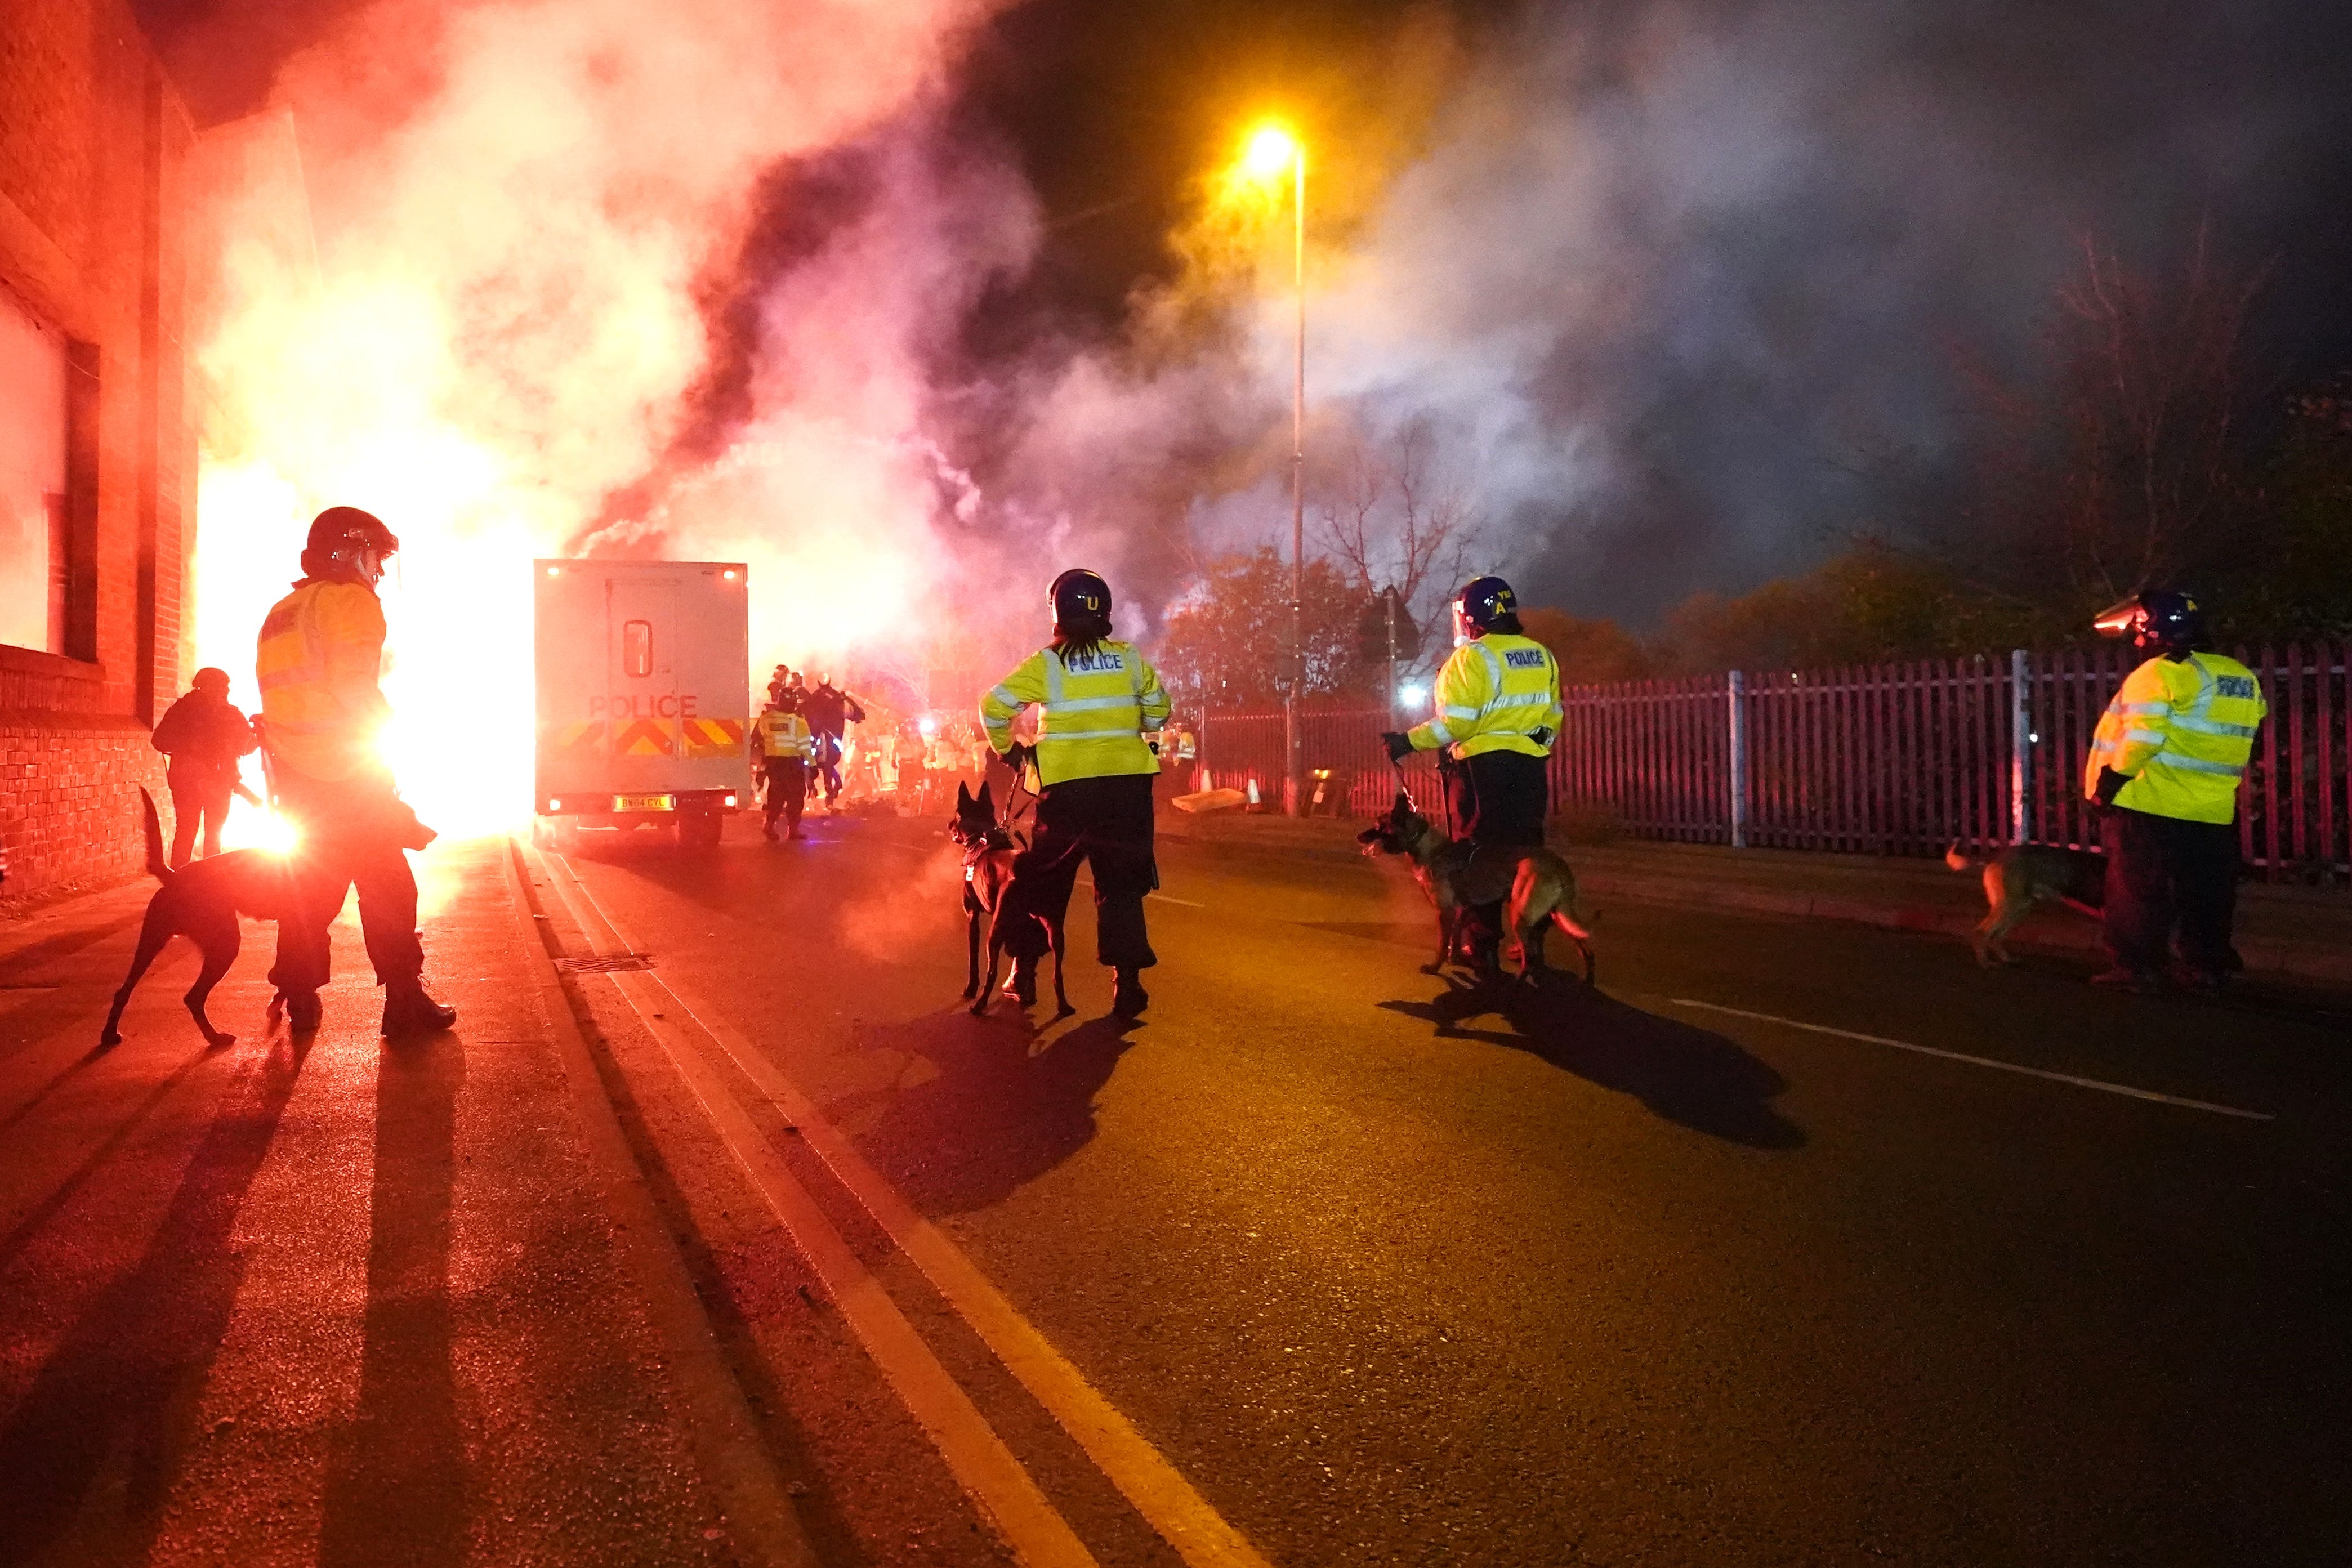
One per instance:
(963,794)
(985,803)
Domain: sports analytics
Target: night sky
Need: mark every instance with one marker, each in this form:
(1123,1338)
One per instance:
(1678,286)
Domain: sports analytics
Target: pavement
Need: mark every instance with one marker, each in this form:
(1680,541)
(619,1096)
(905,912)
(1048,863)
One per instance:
(720,1231)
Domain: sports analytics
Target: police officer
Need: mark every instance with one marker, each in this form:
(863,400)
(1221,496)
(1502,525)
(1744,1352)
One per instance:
(320,650)
(1096,700)
(1498,708)
(203,734)
(2165,763)
(783,743)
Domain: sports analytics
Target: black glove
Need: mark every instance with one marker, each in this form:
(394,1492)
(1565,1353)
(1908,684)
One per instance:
(2111,784)
(1399,745)
(1019,755)
(1541,735)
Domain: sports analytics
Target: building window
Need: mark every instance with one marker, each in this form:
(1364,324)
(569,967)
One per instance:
(35,554)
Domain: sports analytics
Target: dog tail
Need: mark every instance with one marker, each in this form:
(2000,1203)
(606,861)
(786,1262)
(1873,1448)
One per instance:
(1956,861)
(156,866)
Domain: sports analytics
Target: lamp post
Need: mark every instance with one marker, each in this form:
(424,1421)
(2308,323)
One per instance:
(1271,150)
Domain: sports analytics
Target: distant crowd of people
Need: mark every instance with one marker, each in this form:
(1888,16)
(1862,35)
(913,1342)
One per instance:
(805,750)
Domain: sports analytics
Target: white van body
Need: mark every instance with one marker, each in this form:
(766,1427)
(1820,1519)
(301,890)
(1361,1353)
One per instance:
(643,677)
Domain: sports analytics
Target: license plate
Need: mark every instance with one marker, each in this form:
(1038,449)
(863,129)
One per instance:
(644,802)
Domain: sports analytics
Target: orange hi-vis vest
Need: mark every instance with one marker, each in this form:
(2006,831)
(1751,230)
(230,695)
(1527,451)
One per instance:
(318,662)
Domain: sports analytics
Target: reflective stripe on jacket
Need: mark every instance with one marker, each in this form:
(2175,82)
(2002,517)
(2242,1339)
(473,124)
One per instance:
(1492,695)
(321,652)
(782,734)
(1094,711)
(2180,730)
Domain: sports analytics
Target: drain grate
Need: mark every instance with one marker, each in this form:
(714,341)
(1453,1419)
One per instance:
(605,963)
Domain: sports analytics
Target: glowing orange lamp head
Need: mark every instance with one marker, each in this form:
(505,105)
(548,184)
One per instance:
(1270,152)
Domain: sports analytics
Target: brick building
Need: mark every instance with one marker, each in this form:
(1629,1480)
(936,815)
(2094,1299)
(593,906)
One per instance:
(97,449)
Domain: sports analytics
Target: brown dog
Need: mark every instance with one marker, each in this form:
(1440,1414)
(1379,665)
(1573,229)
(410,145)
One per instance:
(988,852)
(2021,877)
(1536,887)
(201,901)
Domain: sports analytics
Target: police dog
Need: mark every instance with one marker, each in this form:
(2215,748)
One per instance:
(1536,887)
(988,852)
(2019,878)
(201,902)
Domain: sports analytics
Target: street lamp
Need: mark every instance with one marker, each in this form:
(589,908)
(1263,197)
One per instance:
(1271,152)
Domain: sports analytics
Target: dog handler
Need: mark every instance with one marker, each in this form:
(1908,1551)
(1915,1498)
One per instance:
(784,743)
(1096,699)
(2165,763)
(1498,708)
(320,652)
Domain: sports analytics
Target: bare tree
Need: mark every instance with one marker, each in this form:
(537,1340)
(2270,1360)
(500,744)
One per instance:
(1399,517)
(2126,467)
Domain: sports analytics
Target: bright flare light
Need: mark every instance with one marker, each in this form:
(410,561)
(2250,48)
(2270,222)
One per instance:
(1413,696)
(1271,152)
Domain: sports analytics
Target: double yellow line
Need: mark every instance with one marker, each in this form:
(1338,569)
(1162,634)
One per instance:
(982,1465)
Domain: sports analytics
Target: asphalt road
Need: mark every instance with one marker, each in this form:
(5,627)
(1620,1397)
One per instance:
(1604,1275)
(1792,1242)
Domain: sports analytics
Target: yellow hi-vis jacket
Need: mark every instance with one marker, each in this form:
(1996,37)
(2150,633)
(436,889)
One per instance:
(2180,730)
(1094,712)
(1492,695)
(321,652)
(781,734)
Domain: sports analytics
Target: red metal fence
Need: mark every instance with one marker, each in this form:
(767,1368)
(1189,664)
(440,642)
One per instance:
(1886,760)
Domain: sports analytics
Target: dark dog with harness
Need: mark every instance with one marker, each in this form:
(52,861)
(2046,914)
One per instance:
(201,901)
(1537,888)
(988,851)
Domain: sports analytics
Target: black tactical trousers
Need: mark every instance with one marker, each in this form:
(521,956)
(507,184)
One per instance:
(787,788)
(1497,797)
(350,836)
(2165,873)
(1106,822)
(200,798)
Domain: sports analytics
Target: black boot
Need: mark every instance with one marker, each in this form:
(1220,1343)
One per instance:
(409,1014)
(1127,997)
(303,1011)
(1022,984)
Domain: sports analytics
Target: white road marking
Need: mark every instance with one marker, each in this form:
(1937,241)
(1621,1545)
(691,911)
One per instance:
(2098,1084)
(1159,1491)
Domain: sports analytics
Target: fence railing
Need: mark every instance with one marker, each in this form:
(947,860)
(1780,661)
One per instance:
(1902,758)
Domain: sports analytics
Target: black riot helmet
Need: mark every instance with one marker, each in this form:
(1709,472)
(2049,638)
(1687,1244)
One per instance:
(2157,620)
(348,539)
(1487,604)
(1081,602)
(1078,593)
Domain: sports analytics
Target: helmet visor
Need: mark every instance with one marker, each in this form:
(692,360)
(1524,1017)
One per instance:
(2121,618)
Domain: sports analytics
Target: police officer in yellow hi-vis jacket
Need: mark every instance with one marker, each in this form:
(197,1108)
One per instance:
(2166,763)
(784,742)
(1097,700)
(323,713)
(1498,708)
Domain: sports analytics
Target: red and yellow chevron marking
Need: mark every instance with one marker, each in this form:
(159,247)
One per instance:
(571,735)
(643,737)
(711,737)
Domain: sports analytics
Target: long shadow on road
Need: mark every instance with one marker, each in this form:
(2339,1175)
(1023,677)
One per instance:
(120,1389)
(395,1491)
(1689,1076)
(982,1107)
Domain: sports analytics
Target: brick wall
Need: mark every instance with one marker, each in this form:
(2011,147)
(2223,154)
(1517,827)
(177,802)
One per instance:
(69,800)
(94,151)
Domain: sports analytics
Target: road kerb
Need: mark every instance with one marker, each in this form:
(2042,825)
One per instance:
(759,1513)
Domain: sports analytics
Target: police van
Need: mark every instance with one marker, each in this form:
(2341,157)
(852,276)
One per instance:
(643,670)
